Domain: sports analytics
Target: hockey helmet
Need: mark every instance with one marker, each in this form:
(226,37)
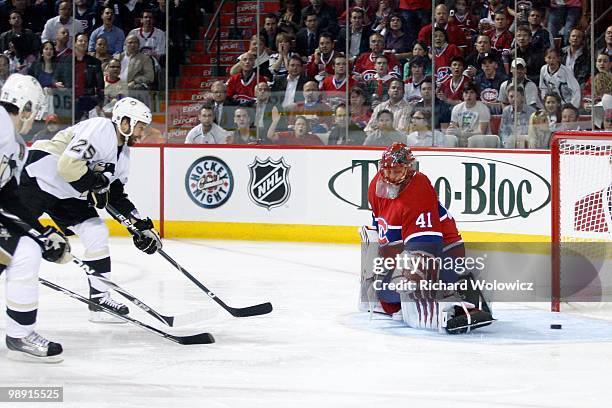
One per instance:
(25,92)
(395,156)
(133,109)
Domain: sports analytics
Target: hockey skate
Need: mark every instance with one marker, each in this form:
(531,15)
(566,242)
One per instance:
(97,315)
(33,348)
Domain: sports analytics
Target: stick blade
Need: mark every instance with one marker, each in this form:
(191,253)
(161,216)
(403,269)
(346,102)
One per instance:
(202,338)
(256,310)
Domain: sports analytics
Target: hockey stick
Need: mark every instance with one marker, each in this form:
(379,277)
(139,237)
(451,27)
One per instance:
(255,310)
(171,321)
(201,338)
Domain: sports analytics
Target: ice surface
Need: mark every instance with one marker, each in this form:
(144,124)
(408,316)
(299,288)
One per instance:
(314,350)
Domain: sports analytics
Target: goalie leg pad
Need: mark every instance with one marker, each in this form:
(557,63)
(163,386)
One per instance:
(369,252)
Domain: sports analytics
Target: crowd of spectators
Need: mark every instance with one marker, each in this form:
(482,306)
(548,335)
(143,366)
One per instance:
(499,72)
(42,38)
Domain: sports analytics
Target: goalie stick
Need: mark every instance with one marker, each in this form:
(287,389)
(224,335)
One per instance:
(172,321)
(254,310)
(201,338)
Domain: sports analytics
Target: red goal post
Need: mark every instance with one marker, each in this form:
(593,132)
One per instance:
(581,200)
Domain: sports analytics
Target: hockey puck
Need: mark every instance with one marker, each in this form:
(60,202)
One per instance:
(555,326)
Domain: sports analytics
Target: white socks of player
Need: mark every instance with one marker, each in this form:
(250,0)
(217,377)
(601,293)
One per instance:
(33,348)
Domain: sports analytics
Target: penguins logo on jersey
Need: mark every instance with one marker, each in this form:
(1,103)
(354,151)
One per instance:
(269,184)
(209,182)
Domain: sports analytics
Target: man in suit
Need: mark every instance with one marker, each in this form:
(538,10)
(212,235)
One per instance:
(136,68)
(288,90)
(222,110)
(358,35)
(263,110)
(307,39)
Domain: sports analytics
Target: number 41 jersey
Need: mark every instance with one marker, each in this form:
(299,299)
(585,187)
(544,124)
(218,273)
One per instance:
(89,144)
(414,216)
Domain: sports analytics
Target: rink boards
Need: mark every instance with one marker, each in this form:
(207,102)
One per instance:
(320,194)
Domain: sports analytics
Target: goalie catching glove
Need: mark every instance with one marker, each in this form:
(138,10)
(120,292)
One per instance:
(147,240)
(55,246)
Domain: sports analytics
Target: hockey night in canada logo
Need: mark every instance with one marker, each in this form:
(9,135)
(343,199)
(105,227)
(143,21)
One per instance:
(269,182)
(209,182)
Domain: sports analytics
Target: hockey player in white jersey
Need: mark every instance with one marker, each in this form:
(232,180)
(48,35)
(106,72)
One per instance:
(82,169)
(21,101)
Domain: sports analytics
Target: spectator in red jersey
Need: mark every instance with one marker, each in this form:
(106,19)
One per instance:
(335,88)
(443,54)
(241,87)
(360,112)
(364,68)
(461,15)
(317,112)
(541,39)
(494,7)
(300,135)
(451,89)
(321,63)
(501,38)
(377,87)
(327,16)
(359,34)
(416,14)
(454,33)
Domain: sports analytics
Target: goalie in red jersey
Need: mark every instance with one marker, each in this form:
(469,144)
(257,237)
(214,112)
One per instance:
(410,252)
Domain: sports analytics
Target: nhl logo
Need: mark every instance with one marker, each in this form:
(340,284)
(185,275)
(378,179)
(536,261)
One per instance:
(269,184)
(209,182)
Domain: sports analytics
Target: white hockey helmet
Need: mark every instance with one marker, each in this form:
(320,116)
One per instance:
(20,90)
(133,109)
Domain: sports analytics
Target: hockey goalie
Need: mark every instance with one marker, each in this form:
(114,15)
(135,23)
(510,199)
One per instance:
(405,273)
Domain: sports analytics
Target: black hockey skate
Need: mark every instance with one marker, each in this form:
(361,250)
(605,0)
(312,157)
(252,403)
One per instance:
(97,315)
(463,322)
(33,348)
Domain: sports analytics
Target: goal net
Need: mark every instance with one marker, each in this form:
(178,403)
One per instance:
(581,221)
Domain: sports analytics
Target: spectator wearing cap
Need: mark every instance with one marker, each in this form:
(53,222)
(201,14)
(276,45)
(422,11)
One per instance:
(454,33)
(483,46)
(575,56)
(519,78)
(533,58)
(489,81)
(412,85)
(451,89)
(515,118)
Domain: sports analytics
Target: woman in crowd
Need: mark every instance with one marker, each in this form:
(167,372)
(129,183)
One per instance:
(280,60)
(101,52)
(419,49)
(544,122)
(360,112)
(44,67)
(289,16)
(603,68)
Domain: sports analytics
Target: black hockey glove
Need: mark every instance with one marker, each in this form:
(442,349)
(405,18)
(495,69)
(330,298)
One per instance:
(55,246)
(99,191)
(148,240)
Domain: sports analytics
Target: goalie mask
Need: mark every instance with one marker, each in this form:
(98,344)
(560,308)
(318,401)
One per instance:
(396,170)
(134,110)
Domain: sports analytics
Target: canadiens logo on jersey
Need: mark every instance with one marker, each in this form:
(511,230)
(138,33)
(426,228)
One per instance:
(269,182)
(209,182)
